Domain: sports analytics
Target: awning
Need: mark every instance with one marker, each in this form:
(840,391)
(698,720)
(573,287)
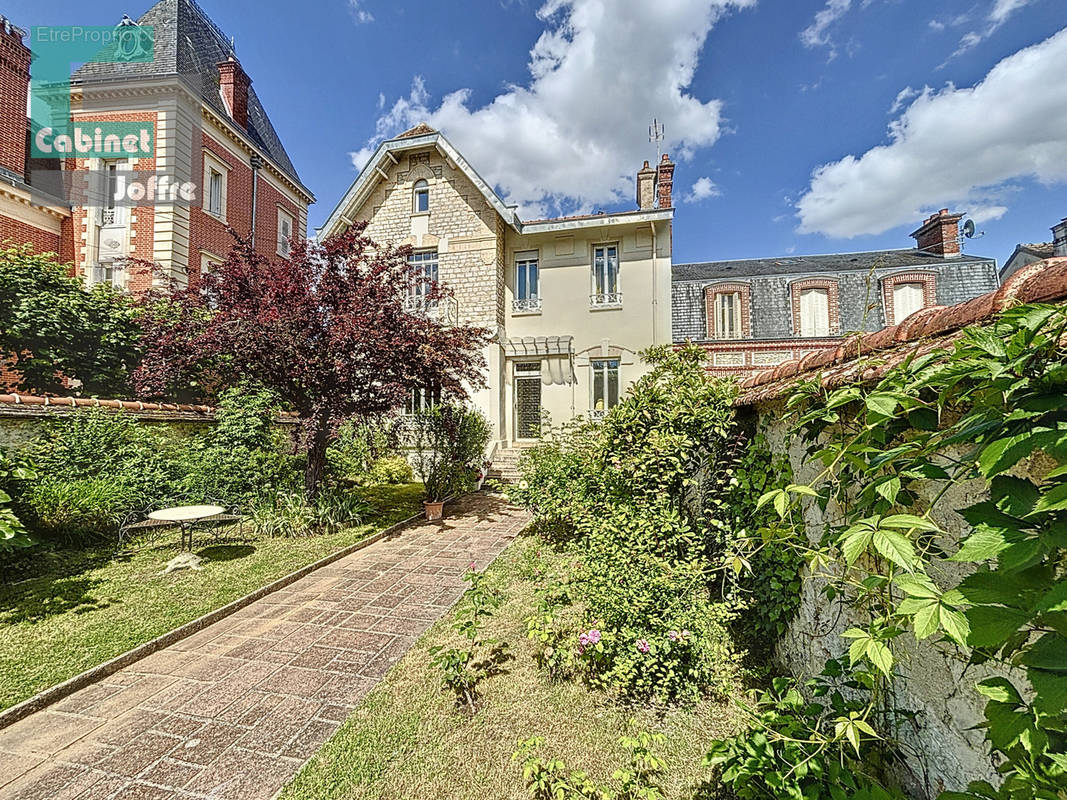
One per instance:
(538,346)
(556,354)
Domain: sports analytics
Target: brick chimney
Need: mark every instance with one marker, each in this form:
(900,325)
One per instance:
(1059,238)
(664,181)
(233,84)
(940,234)
(646,187)
(14,86)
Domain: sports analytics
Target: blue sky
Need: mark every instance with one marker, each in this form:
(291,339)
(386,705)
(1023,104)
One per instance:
(756,95)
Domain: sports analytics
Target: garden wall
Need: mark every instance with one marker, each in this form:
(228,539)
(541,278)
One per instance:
(22,416)
(935,680)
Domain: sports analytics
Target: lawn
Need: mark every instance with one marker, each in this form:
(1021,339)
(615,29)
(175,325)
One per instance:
(80,607)
(408,741)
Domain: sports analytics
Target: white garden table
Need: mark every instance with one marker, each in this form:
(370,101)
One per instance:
(185,517)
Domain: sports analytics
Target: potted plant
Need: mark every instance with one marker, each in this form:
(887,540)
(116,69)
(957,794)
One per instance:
(449,444)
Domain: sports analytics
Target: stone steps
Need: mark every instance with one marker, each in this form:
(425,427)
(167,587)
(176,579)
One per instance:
(504,467)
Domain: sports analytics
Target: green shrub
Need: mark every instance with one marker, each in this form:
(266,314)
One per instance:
(640,610)
(290,513)
(391,469)
(802,744)
(449,444)
(95,443)
(66,511)
(14,472)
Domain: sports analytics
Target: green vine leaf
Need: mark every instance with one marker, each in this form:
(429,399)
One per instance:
(954,623)
(1048,652)
(1001,690)
(896,547)
(992,625)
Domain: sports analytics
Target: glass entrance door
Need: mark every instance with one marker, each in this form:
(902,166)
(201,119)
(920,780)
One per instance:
(527,400)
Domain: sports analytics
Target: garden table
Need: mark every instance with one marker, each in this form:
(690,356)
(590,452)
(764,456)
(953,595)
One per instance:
(185,517)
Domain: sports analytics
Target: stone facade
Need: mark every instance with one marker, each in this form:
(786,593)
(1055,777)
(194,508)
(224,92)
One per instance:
(564,330)
(944,749)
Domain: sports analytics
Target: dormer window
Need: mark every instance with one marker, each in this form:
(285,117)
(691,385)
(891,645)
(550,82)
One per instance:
(421,196)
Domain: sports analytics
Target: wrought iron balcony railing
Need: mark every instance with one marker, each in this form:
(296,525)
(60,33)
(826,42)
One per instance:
(605,299)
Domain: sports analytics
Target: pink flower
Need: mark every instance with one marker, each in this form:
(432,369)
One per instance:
(471,566)
(594,636)
(642,645)
(583,639)
(674,636)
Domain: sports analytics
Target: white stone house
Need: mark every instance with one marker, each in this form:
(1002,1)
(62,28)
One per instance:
(571,301)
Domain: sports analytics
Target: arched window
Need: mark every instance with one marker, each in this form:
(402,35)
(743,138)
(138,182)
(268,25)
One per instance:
(422,196)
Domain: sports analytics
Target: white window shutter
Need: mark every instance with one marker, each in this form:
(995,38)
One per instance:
(907,299)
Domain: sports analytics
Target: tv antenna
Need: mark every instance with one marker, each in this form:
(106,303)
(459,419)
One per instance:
(655,134)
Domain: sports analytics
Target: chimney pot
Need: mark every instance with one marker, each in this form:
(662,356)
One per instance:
(646,187)
(665,181)
(233,85)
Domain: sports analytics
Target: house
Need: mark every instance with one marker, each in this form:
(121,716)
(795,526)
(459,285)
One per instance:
(1026,254)
(205,130)
(571,301)
(756,313)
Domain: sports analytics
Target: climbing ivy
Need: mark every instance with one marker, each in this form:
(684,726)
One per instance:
(990,412)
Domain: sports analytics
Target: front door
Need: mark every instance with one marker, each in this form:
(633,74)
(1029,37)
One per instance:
(527,400)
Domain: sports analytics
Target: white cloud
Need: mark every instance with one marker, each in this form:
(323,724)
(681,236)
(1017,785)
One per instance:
(904,96)
(573,135)
(960,148)
(359,12)
(998,15)
(817,34)
(703,188)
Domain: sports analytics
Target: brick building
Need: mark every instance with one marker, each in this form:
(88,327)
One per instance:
(210,130)
(756,313)
(572,300)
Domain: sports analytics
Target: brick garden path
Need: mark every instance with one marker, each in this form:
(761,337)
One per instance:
(235,710)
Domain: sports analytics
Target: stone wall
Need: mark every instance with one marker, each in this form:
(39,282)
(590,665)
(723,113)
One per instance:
(464,229)
(935,680)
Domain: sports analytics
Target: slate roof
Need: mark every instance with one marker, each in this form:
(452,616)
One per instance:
(868,357)
(189,44)
(834,262)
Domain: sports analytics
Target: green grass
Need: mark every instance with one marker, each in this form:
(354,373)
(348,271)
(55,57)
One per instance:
(409,741)
(72,609)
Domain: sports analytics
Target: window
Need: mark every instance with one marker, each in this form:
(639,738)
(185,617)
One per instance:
(112,273)
(421,196)
(527,294)
(422,399)
(109,211)
(605,385)
(815,312)
(907,299)
(214,186)
(214,193)
(606,276)
(285,233)
(423,275)
(727,307)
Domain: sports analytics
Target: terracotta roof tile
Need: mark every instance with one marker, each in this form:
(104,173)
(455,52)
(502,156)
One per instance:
(18,399)
(869,356)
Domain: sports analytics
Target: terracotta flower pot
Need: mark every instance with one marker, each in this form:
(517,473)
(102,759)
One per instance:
(434,510)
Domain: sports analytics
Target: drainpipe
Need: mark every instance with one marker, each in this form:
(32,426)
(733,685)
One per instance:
(655,295)
(256,162)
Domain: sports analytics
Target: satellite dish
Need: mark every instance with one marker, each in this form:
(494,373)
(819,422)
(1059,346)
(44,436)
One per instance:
(968,229)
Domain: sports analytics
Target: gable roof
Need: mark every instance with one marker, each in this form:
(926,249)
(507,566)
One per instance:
(188,44)
(833,262)
(423,136)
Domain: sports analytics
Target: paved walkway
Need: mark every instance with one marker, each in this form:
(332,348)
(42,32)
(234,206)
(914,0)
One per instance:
(235,710)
